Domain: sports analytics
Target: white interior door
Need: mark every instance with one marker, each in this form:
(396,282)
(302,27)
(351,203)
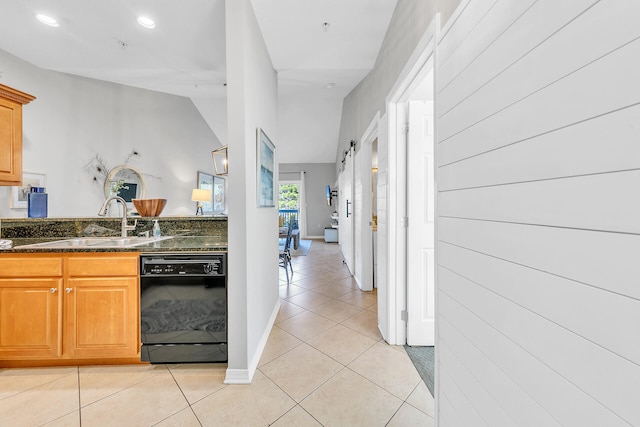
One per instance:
(415,82)
(363,256)
(421,225)
(345,213)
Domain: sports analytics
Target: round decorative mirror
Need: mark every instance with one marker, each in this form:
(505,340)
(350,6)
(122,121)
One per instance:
(126,182)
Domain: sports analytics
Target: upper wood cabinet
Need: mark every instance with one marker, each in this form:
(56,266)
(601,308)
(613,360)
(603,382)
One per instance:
(11,102)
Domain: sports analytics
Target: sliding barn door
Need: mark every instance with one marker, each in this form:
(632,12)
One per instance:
(345,214)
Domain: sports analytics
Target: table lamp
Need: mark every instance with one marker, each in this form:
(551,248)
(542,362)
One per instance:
(199,195)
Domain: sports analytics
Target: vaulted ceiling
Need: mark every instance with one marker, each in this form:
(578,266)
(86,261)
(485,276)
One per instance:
(321,49)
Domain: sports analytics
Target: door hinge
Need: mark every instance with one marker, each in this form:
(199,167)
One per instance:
(404,316)
(404,221)
(406,128)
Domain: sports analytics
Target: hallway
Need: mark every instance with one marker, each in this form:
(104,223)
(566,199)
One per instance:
(324,364)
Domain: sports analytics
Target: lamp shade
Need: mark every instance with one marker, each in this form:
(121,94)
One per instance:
(200,195)
(221,160)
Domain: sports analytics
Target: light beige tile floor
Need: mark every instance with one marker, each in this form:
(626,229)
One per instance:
(325,364)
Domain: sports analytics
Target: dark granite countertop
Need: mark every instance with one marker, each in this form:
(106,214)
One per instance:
(192,234)
(173,244)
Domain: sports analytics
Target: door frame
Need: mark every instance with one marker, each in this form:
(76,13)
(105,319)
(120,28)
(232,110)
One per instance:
(418,65)
(365,243)
(302,223)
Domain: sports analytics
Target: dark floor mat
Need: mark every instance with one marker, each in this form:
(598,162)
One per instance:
(423,359)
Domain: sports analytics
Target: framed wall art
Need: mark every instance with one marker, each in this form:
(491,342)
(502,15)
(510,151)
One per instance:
(266,164)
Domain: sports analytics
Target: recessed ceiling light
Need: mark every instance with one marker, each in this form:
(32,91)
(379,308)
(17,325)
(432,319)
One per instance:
(146,22)
(329,85)
(47,20)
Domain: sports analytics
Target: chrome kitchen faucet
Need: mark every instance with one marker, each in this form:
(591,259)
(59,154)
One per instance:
(125,223)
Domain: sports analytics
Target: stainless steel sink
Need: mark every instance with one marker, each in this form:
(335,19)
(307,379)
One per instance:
(97,242)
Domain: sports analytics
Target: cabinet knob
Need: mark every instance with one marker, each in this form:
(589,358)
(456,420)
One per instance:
(68,290)
(53,290)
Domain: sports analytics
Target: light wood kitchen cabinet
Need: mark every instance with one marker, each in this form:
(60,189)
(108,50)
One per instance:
(69,308)
(29,307)
(29,318)
(11,102)
(101,306)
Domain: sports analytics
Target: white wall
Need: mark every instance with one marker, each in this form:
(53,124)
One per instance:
(253,232)
(408,25)
(73,119)
(214,111)
(539,215)
(409,22)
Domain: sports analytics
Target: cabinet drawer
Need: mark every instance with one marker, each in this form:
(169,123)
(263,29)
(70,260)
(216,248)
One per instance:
(30,266)
(103,265)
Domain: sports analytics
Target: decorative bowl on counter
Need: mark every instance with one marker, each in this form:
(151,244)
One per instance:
(149,207)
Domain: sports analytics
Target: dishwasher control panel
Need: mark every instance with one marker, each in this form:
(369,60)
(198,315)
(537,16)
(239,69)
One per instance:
(183,265)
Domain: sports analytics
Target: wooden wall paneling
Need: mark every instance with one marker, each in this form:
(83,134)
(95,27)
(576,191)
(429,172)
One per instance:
(483,401)
(512,63)
(588,147)
(605,260)
(597,315)
(466,414)
(487,31)
(520,406)
(570,100)
(597,372)
(594,202)
(447,414)
(510,85)
(544,131)
(559,397)
(459,27)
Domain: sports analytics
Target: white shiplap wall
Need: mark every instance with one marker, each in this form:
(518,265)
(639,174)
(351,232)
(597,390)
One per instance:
(538,109)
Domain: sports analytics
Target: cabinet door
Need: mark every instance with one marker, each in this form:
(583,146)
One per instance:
(101,317)
(10,142)
(29,321)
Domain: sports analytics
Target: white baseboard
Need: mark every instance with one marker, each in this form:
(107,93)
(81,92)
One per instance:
(245,376)
(314,237)
(238,376)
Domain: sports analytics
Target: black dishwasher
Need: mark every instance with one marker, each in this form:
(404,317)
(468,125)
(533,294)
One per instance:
(183,307)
